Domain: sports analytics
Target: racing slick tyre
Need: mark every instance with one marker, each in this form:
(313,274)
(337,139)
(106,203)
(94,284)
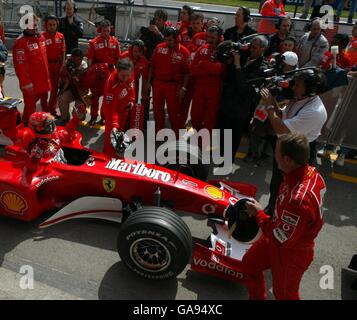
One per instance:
(185,158)
(155,243)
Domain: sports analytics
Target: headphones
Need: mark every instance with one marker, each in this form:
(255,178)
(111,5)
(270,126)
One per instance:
(280,21)
(312,81)
(309,24)
(171,31)
(72,3)
(246,14)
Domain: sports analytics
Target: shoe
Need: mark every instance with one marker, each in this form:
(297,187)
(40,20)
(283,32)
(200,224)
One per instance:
(350,20)
(340,161)
(92,121)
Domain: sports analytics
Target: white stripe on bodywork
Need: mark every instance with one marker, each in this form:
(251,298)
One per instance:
(105,208)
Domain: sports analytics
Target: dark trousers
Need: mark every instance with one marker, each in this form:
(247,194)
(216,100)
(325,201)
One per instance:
(237,126)
(277,174)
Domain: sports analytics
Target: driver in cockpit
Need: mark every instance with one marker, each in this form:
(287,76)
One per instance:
(43,142)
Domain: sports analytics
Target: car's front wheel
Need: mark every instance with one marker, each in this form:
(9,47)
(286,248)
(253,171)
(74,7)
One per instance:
(155,243)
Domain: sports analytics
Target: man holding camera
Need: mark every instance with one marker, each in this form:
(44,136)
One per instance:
(239,98)
(152,35)
(306,114)
(72,81)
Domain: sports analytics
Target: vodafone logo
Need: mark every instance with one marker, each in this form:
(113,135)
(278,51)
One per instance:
(217,267)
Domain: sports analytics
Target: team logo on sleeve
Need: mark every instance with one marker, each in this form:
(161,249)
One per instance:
(280,235)
(290,218)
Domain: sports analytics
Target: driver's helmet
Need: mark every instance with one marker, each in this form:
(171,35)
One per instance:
(42,124)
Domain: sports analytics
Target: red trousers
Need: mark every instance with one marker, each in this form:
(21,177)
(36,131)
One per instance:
(95,105)
(185,107)
(123,116)
(287,266)
(30,100)
(166,92)
(54,69)
(205,106)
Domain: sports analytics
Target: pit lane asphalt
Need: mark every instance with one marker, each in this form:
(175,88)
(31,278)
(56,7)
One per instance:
(78,259)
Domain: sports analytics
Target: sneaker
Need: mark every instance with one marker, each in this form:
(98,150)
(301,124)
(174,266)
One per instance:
(340,161)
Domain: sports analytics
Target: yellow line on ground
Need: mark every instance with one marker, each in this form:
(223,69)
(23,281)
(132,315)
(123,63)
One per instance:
(240,155)
(343,177)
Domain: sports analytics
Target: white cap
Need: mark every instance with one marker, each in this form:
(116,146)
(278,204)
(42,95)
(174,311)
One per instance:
(290,58)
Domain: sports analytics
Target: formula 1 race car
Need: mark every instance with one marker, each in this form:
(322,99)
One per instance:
(146,200)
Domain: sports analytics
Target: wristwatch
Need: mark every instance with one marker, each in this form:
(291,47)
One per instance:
(270,107)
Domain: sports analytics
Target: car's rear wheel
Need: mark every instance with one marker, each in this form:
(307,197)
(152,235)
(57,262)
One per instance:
(185,158)
(155,243)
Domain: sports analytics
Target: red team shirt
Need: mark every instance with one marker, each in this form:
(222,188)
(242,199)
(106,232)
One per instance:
(103,50)
(170,64)
(55,46)
(205,68)
(117,96)
(351,51)
(30,62)
(141,66)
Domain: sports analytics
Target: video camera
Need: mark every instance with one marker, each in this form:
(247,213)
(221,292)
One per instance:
(280,86)
(226,49)
(70,66)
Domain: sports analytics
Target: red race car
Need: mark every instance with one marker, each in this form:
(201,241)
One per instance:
(146,199)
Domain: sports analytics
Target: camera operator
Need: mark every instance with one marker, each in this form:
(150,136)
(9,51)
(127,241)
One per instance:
(72,79)
(306,114)
(241,29)
(153,35)
(312,46)
(239,98)
(261,131)
(276,40)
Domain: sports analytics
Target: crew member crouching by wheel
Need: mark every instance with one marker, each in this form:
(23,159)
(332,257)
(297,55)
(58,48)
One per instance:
(287,244)
(118,99)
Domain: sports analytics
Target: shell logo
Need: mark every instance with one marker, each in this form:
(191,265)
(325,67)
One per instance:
(13,202)
(214,192)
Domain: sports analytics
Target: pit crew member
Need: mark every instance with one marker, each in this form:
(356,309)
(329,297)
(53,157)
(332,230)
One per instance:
(170,73)
(104,48)
(207,72)
(31,67)
(287,244)
(56,54)
(118,99)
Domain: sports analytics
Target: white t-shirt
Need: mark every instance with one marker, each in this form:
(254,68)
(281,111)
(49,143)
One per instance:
(309,120)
